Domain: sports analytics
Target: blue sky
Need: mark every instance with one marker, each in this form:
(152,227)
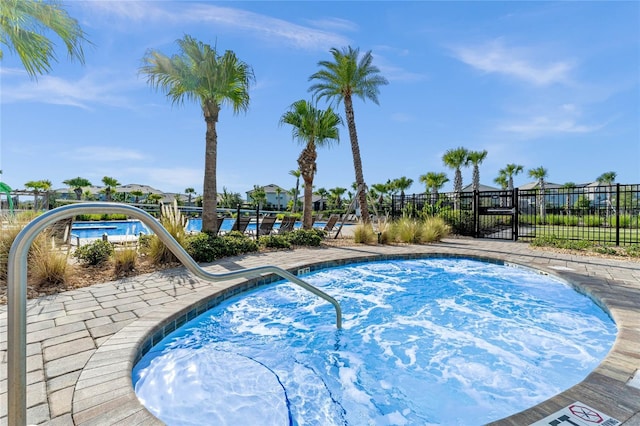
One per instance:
(534,83)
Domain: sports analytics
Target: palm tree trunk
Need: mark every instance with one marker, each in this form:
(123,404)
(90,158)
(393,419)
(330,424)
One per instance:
(307,167)
(357,160)
(209,188)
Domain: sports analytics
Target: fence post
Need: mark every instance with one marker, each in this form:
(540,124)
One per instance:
(617,214)
(514,217)
(476,213)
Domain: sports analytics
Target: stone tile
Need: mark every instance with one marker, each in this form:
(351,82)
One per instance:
(68,348)
(60,401)
(67,364)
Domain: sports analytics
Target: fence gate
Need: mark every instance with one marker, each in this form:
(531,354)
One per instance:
(496,215)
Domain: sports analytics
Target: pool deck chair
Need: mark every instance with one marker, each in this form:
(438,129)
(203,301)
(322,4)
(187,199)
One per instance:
(266,225)
(216,231)
(287,224)
(241,224)
(331,223)
(60,233)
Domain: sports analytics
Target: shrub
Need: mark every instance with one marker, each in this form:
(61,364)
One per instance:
(204,247)
(408,230)
(633,250)
(94,253)
(626,221)
(591,220)
(604,249)
(174,222)
(363,234)
(434,229)
(125,260)
(48,267)
(306,237)
(571,220)
(274,241)
(385,234)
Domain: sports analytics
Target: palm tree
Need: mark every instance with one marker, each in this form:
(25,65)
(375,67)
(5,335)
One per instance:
(76,185)
(137,194)
(109,185)
(503,181)
(566,188)
(38,186)
(324,195)
(296,174)
(230,199)
(336,195)
(258,196)
(198,73)
(154,198)
(476,158)
(540,173)
(510,171)
(454,159)
(607,179)
(22,24)
(189,191)
(312,128)
(401,184)
(340,80)
(434,181)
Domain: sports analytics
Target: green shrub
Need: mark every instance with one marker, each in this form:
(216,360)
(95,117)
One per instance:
(571,220)
(626,221)
(408,230)
(94,253)
(204,247)
(434,229)
(554,219)
(274,241)
(591,220)
(306,237)
(101,217)
(604,249)
(545,241)
(633,250)
(125,260)
(363,234)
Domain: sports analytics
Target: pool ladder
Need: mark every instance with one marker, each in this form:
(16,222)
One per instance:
(17,288)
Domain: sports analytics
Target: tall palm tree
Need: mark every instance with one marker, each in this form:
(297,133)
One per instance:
(137,194)
(324,195)
(503,181)
(434,181)
(510,171)
(189,191)
(198,73)
(566,189)
(312,128)
(336,195)
(476,158)
(109,185)
(341,79)
(608,179)
(76,184)
(278,195)
(540,173)
(455,159)
(38,186)
(296,174)
(401,184)
(22,27)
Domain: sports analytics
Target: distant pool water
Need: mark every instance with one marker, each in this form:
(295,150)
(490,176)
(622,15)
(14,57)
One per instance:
(134,227)
(434,341)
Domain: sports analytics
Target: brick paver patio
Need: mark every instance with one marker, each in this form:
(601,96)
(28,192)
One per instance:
(82,344)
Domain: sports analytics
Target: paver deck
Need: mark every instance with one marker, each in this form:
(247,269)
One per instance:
(82,344)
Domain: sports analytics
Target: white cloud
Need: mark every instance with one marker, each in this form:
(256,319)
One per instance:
(105,154)
(494,57)
(96,87)
(544,125)
(256,25)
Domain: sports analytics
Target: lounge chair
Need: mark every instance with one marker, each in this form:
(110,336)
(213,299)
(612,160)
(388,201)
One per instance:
(287,224)
(331,223)
(266,225)
(60,233)
(241,224)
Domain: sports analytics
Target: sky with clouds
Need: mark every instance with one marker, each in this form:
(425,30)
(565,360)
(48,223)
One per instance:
(552,84)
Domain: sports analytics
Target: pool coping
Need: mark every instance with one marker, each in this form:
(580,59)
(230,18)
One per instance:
(103,392)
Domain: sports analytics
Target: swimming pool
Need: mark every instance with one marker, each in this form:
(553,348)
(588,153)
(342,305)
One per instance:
(96,229)
(472,342)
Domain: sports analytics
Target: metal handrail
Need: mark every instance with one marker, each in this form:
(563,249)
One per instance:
(17,288)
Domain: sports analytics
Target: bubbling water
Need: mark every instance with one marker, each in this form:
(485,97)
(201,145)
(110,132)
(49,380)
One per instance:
(429,341)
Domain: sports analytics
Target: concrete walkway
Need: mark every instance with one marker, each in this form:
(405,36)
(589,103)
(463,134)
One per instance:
(82,344)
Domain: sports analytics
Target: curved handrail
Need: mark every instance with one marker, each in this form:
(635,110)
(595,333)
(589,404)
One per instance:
(17,288)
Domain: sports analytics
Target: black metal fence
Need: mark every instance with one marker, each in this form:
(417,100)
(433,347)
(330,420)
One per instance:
(607,214)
